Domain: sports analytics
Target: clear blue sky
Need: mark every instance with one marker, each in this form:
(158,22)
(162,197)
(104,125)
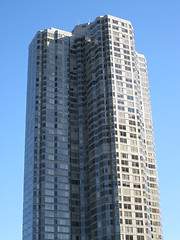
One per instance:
(157,35)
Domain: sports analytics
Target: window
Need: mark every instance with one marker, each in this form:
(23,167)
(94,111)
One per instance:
(116,49)
(128,85)
(126,184)
(139,214)
(114,21)
(117,65)
(138,207)
(124,155)
(140,238)
(123,134)
(123,140)
(125,169)
(140,230)
(128,221)
(129,237)
(137,200)
(128,68)
(115,27)
(135,157)
(127,206)
(127,199)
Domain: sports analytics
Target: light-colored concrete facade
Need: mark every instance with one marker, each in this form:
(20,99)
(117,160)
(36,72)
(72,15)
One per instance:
(90,165)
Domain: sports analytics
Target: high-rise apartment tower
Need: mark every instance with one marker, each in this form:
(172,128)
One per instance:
(90,165)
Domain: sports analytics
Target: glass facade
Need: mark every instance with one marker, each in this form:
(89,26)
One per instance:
(90,166)
(46,186)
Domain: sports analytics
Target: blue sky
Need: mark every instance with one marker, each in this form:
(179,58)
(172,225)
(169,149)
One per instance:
(157,36)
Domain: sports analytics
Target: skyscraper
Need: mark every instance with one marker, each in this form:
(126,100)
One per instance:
(90,165)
